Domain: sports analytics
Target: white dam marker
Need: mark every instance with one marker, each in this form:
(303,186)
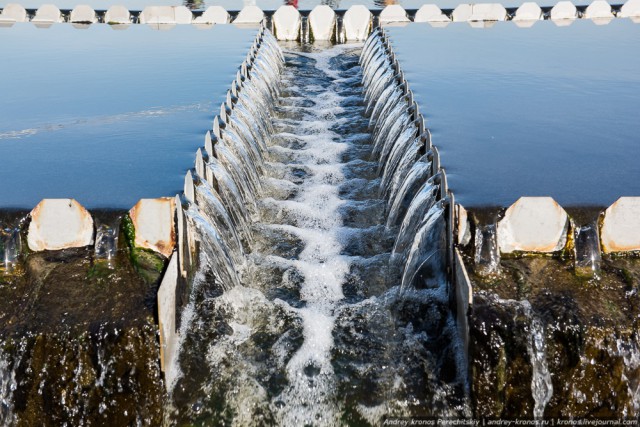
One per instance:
(12,13)
(357,22)
(527,14)
(167,318)
(621,226)
(249,15)
(631,9)
(47,15)
(213,15)
(393,13)
(598,9)
(322,21)
(430,13)
(287,23)
(533,224)
(59,224)
(153,221)
(83,14)
(564,11)
(117,15)
(166,15)
(488,12)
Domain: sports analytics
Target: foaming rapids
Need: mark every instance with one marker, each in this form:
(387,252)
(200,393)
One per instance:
(320,294)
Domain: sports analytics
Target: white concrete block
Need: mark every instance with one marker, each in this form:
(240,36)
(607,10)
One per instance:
(13,12)
(462,13)
(199,164)
(249,15)
(286,22)
(621,226)
(117,15)
(533,224)
(189,187)
(564,10)
(598,9)
(630,9)
(488,12)
(528,11)
(84,14)
(464,299)
(183,262)
(213,15)
(166,15)
(182,15)
(322,21)
(167,319)
(464,231)
(59,224)
(153,220)
(357,23)
(47,14)
(430,13)
(393,13)
(208,144)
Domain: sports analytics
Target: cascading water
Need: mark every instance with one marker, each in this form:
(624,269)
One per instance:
(321,295)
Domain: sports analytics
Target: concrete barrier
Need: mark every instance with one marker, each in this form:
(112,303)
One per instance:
(462,223)
(464,299)
(488,12)
(189,189)
(431,13)
(394,13)
(249,15)
(533,224)
(620,231)
(357,22)
(153,220)
(213,15)
(322,23)
(598,9)
(167,317)
(165,15)
(529,11)
(47,15)
(462,13)
(83,14)
(287,23)
(59,224)
(117,15)
(564,11)
(12,13)
(631,9)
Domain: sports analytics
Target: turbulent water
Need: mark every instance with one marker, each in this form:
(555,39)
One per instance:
(329,305)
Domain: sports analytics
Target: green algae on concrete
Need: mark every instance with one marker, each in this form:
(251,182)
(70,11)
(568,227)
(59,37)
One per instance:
(79,338)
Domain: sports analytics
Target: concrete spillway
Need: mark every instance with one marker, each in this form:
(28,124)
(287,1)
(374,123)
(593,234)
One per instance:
(320,266)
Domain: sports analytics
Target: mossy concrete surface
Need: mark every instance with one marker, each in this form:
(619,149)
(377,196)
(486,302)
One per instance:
(590,330)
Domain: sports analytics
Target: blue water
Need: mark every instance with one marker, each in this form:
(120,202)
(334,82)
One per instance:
(106,116)
(541,111)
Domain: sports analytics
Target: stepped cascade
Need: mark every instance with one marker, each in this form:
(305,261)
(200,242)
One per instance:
(356,235)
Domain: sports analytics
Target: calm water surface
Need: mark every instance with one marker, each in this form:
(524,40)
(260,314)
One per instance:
(105,116)
(541,111)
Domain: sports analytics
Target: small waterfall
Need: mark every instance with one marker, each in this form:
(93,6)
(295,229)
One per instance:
(487,253)
(587,251)
(541,386)
(7,387)
(10,246)
(292,195)
(106,244)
